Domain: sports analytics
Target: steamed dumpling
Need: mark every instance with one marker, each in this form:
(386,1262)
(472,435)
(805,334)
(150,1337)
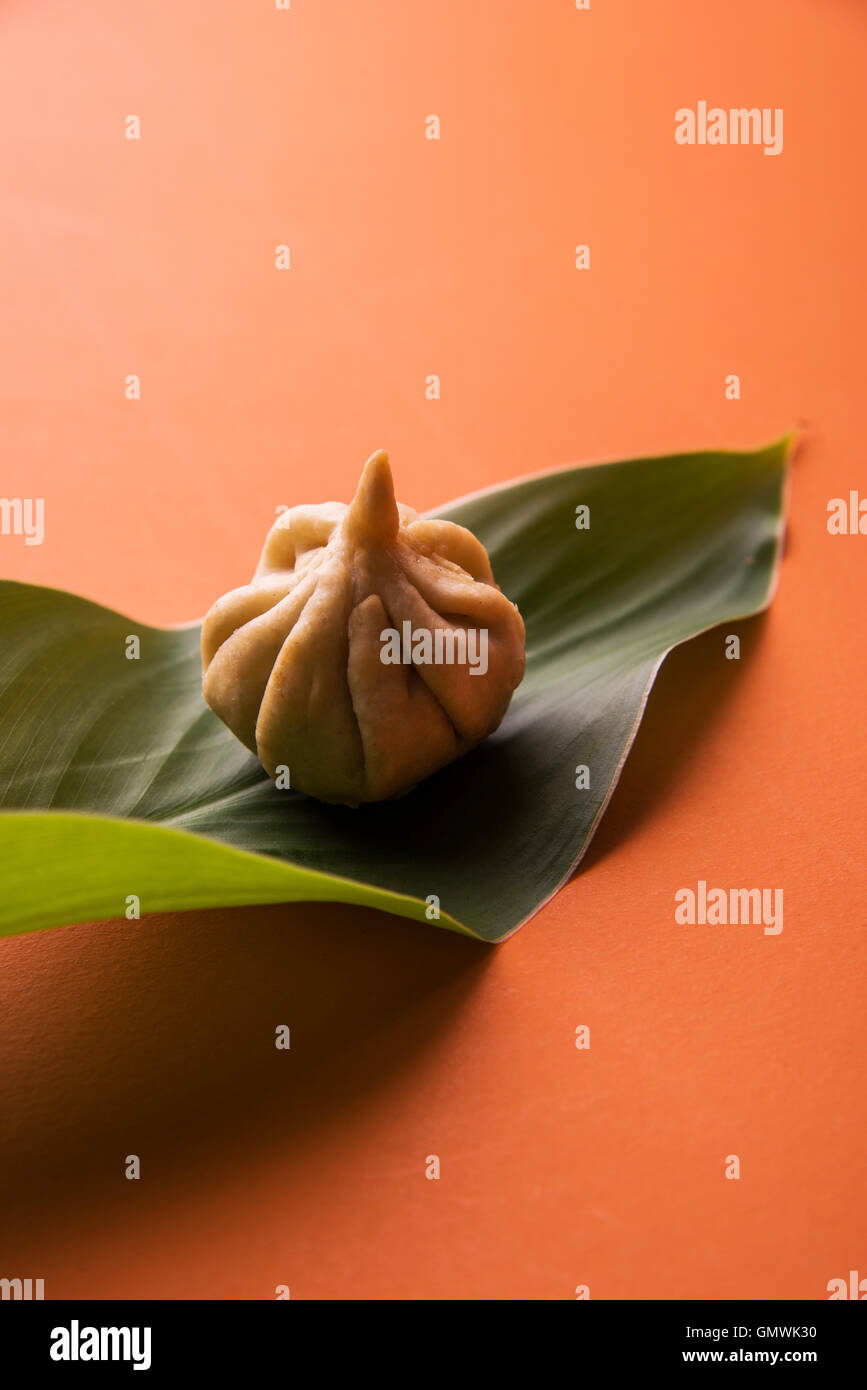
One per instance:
(371,647)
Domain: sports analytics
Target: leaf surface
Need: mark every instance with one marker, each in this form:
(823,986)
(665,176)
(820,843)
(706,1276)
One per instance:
(117,780)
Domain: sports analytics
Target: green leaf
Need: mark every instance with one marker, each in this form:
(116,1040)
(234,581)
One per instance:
(116,780)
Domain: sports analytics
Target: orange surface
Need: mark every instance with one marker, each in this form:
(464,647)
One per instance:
(408,257)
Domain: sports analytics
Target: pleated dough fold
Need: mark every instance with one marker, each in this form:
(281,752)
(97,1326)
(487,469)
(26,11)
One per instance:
(296,663)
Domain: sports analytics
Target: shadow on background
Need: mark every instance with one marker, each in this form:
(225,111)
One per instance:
(158,1038)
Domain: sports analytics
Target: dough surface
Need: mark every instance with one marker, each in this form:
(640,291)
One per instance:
(293,662)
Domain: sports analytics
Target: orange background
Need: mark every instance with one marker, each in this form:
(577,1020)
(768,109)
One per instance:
(559,1167)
